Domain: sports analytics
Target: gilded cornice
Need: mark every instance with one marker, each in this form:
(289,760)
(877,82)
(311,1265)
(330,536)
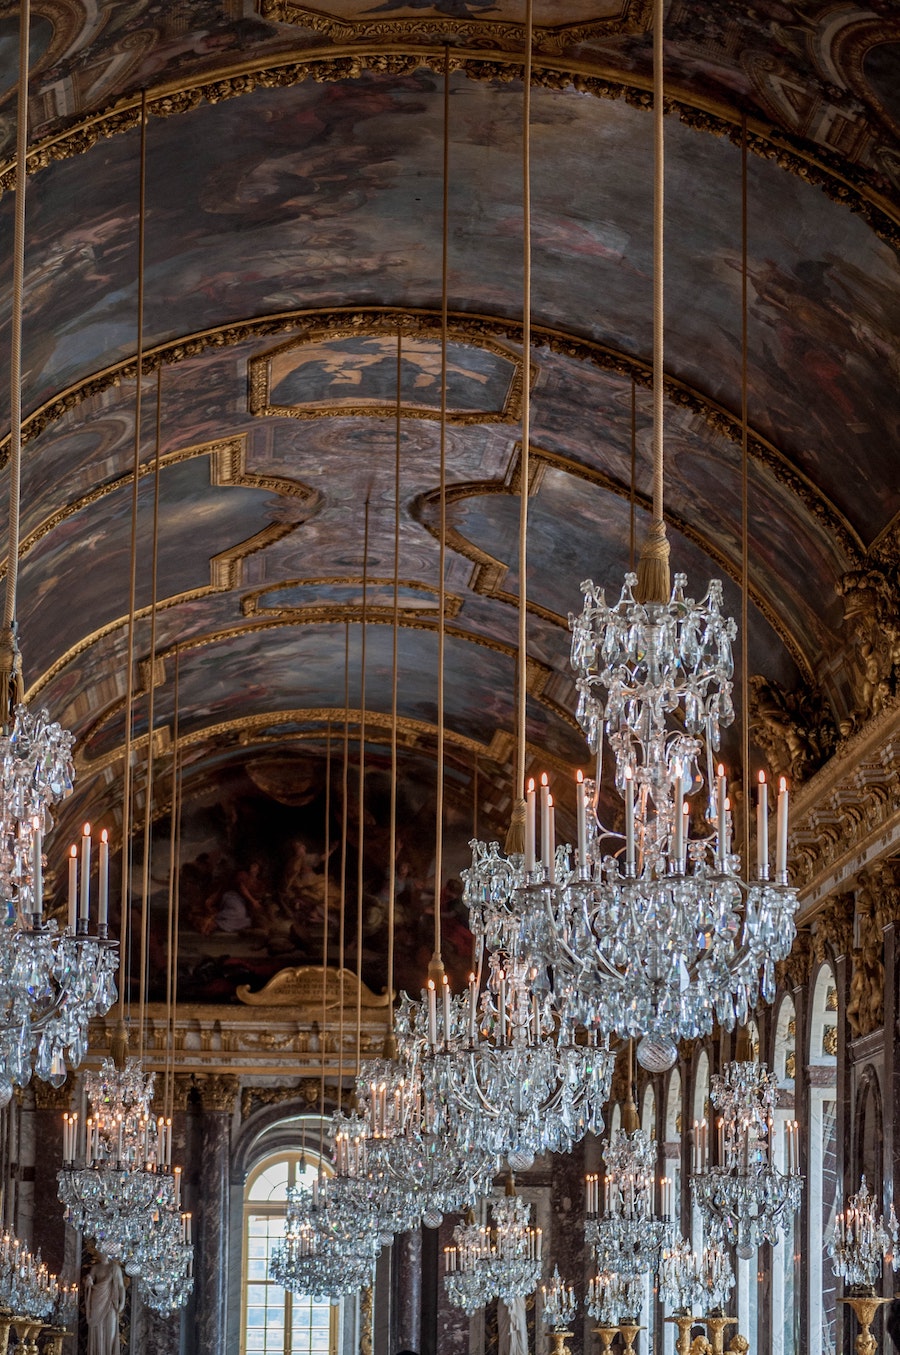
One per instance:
(844,183)
(253,603)
(475,329)
(847,816)
(633,16)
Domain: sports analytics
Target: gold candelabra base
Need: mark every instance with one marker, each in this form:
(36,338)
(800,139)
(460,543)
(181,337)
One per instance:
(865,1306)
(606,1335)
(559,1342)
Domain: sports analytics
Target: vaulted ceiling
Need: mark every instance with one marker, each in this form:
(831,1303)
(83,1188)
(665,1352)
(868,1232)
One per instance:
(293,240)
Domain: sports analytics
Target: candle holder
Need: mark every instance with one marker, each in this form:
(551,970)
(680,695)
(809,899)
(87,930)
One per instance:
(628,1331)
(684,1322)
(559,1339)
(865,1306)
(607,1335)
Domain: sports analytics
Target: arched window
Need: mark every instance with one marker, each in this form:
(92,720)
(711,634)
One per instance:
(823,1183)
(274,1321)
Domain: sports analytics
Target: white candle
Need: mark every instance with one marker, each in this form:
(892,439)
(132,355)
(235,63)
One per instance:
(84,906)
(73,886)
(473,1008)
(37,847)
(727,826)
(581,811)
(678,848)
(545,819)
(432,1014)
(177,1187)
(720,1124)
(782,830)
(721,810)
(551,861)
(629,821)
(446,1005)
(696,1146)
(103,907)
(529,826)
(501,1007)
(762,828)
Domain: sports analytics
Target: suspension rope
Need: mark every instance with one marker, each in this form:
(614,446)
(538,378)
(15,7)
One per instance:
(132,586)
(632,491)
(392,864)
(653,567)
(151,717)
(10,670)
(436,968)
(515,837)
(360,846)
(173,902)
(342,925)
(325,904)
(745,504)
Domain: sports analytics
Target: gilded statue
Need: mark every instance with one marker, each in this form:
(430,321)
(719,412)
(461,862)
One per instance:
(793,730)
(873,619)
(865,1006)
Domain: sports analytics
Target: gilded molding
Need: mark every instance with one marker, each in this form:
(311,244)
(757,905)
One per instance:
(844,183)
(228,466)
(259,381)
(487,579)
(252,604)
(633,16)
(218,1092)
(471,327)
(847,816)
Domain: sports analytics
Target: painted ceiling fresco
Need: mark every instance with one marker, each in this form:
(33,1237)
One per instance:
(293,266)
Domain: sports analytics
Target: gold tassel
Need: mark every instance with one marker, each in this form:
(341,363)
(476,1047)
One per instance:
(118,1045)
(515,834)
(436,967)
(653,580)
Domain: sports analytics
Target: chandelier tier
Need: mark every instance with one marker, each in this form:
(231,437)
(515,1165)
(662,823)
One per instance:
(612,1299)
(559,1305)
(164,1259)
(691,1283)
(500,1261)
(328,1251)
(26,1286)
(863,1240)
(116,1171)
(745,1198)
(626,1235)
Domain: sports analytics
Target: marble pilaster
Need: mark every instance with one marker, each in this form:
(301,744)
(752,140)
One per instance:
(452,1323)
(218,1095)
(565,1246)
(49,1233)
(406,1286)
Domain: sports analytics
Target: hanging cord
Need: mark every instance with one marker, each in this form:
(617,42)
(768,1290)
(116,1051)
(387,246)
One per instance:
(360,847)
(436,967)
(325,903)
(515,837)
(390,1050)
(151,716)
(745,503)
(342,926)
(172,920)
(125,958)
(653,583)
(11,686)
(632,493)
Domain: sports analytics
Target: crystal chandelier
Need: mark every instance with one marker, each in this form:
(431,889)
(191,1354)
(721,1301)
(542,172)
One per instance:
(502,1261)
(325,1253)
(164,1260)
(510,1081)
(559,1305)
(26,1287)
(116,1173)
(52,983)
(654,931)
(429,1173)
(690,1282)
(612,1299)
(744,1197)
(862,1241)
(622,1228)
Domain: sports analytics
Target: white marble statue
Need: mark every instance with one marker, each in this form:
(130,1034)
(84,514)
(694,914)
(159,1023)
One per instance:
(104,1299)
(512,1328)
